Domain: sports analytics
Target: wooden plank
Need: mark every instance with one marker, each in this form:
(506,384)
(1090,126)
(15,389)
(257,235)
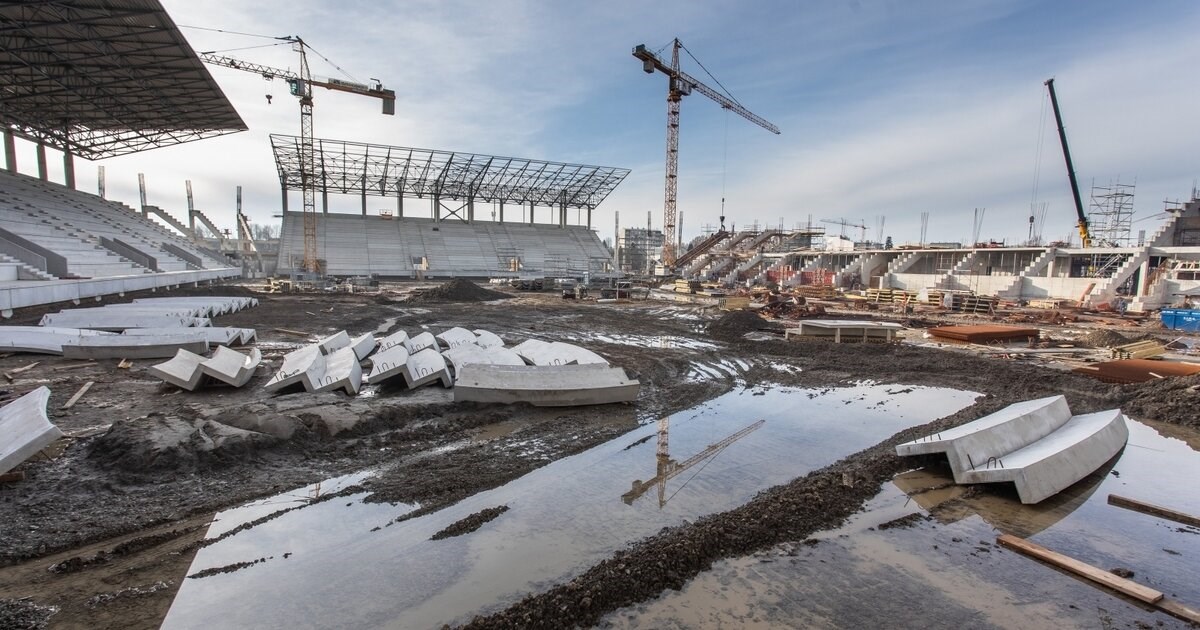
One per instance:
(1153,510)
(1082,569)
(1176,609)
(74,366)
(288,331)
(79,394)
(9,477)
(9,374)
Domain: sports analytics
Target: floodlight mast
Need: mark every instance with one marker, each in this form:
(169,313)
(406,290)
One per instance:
(300,85)
(681,84)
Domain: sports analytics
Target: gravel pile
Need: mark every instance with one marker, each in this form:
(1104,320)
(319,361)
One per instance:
(457,290)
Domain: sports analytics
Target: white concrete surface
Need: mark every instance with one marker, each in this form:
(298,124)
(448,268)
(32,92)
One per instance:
(230,366)
(363,345)
(972,444)
(342,371)
(415,344)
(25,429)
(545,386)
(40,340)
(388,363)
(304,365)
(336,341)
(214,335)
(181,370)
(116,321)
(425,367)
(537,352)
(844,329)
(487,339)
(14,295)
(455,337)
(472,354)
(132,347)
(1051,464)
(397,338)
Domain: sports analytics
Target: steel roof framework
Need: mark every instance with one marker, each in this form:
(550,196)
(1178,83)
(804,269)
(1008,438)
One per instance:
(100,78)
(390,171)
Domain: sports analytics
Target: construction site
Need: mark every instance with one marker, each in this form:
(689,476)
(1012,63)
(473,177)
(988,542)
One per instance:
(469,409)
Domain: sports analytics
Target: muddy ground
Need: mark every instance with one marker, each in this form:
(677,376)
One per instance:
(123,509)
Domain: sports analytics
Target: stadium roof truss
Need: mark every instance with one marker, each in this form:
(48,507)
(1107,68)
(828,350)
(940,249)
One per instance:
(387,171)
(100,78)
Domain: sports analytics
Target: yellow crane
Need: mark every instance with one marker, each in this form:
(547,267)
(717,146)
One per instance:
(679,85)
(669,468)
(300,84)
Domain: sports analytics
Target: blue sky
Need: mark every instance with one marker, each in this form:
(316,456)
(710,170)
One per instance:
(888,108)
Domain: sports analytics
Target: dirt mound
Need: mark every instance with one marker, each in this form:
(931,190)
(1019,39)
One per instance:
(166,443)
(1175,400)
(737,323)
(457,290)
(17,613)
(470,523)
(1104,339)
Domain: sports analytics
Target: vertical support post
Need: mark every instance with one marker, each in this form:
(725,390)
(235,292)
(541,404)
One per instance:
(589,217)
(530,213)
(437,208)
(284,194)
(142,191)
(470,209)
(10,151)
(400,206)
(502,211)
(41,162)
(100,181)
(69,169)
(1143,278)
(364,194)
(617,241)
(324,200)
(191,208)
(562,214)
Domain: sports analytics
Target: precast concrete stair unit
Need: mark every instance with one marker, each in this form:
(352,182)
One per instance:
(25,429)
(1037,445)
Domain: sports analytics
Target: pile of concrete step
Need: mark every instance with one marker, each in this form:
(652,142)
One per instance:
(1037,445)
(41,339)
(167,312)
(187,370)
(332,363)
(25,429)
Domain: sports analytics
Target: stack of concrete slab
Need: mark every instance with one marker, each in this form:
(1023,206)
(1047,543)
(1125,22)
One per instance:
(166,312)
(331,363)
(41,339)
(1037,445)
(471,354)
(25,429)
(214,335)
(187,370)
(132,346)
(537,352)
(545,385)
(215,305)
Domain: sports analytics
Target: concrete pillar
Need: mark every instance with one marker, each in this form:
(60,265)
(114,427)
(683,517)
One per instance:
(364,195)
(1143,278)
(470,210)
(284,194)
(437,209)
(589,217)
(562,215)
(502,211)
(10,151)
(325,201)
(69,169)
(400,207)
(530,213)
(41,162)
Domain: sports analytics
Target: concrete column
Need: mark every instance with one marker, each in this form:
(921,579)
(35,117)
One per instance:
(437,209)
(400,207)
(325,201)
(284,195)
(562,215)
(41,162)
(470,210)
(10,151)
(502,211)
(1143,278)
(364,195)
(69,169)
(589,217)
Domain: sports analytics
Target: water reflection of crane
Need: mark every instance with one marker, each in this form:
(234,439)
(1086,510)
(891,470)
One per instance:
(669,468)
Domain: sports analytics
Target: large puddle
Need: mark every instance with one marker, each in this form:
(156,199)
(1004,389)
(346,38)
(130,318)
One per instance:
(339,563)
(948,571)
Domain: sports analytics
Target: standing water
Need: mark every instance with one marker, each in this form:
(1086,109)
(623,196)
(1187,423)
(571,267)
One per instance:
(344,563)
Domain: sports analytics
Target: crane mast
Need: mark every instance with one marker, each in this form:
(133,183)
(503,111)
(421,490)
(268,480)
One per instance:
(301,84)
(679,85)
(1084,233)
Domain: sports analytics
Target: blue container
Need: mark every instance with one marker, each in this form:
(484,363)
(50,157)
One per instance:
(1181,319)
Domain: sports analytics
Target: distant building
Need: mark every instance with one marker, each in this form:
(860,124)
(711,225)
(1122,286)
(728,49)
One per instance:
(640,248)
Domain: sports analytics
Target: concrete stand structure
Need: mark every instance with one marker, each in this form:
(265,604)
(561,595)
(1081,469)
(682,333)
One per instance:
(425,367)
(471,354)
(545,386)
(214,335)
(342,371)
(182,371)
(41,340)
(487,339)
(232,367)
(397,338)
(388,363)
(421,342)
(117,321)
(455,337)
(537,352)
(25,429)
(840,330)
(305,365)
(132,346)
(1035,444)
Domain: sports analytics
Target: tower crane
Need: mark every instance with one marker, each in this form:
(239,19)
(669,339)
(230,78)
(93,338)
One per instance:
(679,85)
(300,85)
(846,224)
(1085,235)
(669,468)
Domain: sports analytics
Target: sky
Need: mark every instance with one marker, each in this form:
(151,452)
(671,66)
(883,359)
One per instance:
(888,108)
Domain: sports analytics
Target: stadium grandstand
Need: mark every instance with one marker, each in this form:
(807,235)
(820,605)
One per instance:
(437,226)
(96,79)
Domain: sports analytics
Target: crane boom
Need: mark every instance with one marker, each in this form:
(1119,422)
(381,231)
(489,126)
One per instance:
(680,84)
(300,85)
(668,468)
(1084,233)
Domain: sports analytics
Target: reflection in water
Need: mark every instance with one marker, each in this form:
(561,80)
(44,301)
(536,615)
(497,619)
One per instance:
(669,468)
(345,563)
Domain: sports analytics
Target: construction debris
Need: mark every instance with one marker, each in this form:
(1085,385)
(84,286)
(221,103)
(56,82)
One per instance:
(25,429)
(1137,370)
(984,333)
(79,394)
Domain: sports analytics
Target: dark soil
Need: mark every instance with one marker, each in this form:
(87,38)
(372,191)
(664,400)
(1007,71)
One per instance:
(23,615)
(470,523)
(1173,400)
(903,522)
(457,290)
(734,324)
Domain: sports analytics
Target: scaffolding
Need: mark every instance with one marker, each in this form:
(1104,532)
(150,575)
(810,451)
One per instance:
(1111,215)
